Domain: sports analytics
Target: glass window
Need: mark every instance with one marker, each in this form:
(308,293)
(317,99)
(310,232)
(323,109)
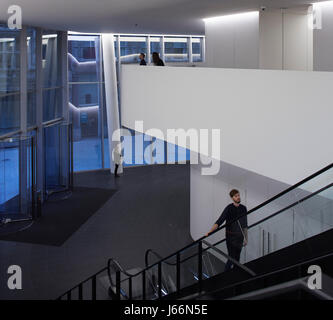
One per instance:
(86,120)
(10,113)
(31,114)
(155,44)
(9,80)
(51,76)
(51,104)
(175,49)
(31,76)
(83,60)
(196,50)
(85,101)
(131,47)
(51,58)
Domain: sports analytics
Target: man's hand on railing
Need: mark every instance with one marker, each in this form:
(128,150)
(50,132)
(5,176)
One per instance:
(215,226)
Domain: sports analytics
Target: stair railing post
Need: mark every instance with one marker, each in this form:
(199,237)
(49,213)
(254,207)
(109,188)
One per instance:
(144,285)
(118,285)
(200,265)
(159,280)
(178,272)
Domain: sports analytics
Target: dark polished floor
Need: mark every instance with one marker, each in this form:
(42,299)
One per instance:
(150,210)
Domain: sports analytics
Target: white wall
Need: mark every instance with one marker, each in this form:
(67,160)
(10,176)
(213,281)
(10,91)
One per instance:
(273,39)
(274,123)
(323,39)
(271,43)
(233,41)
(286,40)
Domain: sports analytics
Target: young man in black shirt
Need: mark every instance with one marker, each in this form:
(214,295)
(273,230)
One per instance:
(235,216)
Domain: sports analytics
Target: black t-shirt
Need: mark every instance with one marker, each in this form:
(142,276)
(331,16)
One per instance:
(143,62)
(160,63)
(229,214)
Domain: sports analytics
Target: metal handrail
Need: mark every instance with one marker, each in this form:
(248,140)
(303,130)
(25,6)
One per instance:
(158,256)
(52,122)
(201,240)
(252,210)
(10,134)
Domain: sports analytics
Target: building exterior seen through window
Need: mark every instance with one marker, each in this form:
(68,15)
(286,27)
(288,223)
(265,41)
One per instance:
(87,96)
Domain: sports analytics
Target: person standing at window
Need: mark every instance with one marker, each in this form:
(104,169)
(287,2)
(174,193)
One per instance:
(235,216)
(157,60)
(142,57)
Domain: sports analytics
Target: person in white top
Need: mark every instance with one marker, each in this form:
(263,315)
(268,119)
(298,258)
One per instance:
(117,158)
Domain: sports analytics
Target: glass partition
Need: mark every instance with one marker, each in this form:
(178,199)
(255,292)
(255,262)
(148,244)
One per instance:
(57,158)
(295,216)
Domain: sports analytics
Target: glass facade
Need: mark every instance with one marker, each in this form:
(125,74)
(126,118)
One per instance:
(38,51)
(44,53)
(9,80)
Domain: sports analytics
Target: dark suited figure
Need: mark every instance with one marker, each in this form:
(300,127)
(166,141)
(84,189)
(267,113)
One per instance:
(157,60)
(236,232)
(142,57)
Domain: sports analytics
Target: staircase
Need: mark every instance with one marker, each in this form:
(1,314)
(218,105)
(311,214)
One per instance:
(283,243)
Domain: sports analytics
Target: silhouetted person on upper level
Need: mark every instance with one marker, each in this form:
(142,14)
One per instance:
(142,57)
(157,60)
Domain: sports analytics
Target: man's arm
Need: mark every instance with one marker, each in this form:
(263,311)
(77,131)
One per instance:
(219,222)
(215,226)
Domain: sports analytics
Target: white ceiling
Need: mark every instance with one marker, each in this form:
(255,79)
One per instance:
(133,16)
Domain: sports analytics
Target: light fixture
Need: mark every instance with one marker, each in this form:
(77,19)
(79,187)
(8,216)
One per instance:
(235,16)
(322,3)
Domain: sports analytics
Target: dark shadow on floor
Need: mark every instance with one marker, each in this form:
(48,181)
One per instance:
(60,219)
